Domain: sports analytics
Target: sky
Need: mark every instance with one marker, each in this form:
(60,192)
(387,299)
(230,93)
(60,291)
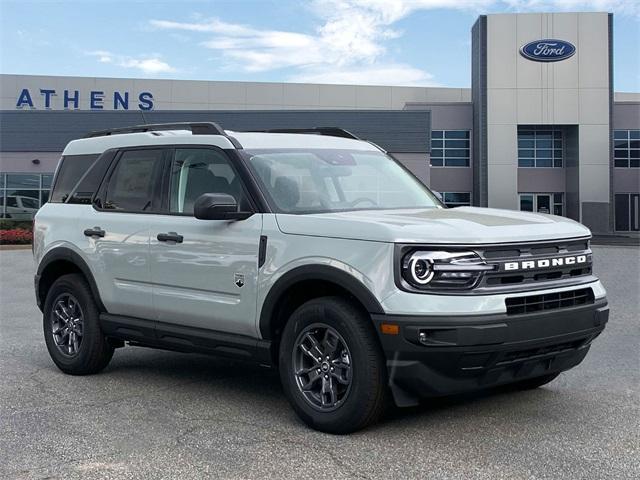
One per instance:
(378,42)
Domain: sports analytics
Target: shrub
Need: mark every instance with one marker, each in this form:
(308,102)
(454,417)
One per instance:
(13,224)
(16,236)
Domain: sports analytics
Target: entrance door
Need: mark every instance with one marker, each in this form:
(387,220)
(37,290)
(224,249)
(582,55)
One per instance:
(634,221)
(543,203)
(627,212)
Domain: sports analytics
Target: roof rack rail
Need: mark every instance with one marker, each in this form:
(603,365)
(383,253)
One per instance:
(197,128)
(328,131)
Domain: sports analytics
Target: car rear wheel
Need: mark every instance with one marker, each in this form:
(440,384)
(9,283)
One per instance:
(332,368)
(72,329)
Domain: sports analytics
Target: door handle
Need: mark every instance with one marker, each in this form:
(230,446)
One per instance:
(170,237)
(94,232)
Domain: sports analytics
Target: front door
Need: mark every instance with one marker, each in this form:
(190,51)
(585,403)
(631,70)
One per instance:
(204,272)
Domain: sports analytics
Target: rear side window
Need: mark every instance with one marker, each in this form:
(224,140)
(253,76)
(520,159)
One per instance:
(135,182)
(72,168)
(83,192)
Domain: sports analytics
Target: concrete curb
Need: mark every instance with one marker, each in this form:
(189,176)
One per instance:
(15,247)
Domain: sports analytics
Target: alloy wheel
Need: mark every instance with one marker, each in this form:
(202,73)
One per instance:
(67,324)
(322,367)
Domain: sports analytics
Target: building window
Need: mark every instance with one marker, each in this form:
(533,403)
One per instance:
(542,203)
(450,148)
(456,199)
(22,194)
(626,148)
(540,147)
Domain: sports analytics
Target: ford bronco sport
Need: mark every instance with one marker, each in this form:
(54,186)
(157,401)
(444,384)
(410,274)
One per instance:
(312,251)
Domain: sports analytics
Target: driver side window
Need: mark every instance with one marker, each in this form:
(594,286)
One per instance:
(195,171)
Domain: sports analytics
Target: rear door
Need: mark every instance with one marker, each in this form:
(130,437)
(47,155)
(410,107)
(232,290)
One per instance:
(204,272)
(116,231)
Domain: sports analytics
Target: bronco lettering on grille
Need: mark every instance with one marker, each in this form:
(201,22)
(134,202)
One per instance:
(546,263)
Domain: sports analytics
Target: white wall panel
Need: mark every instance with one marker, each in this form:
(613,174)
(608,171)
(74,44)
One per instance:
(227,93)
(502,105)
(594,48)
(339,96)
(373,97)
(594,105)
(189,92)
(501,57)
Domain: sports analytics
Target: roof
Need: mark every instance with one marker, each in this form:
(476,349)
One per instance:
(248,140)
(258,140)
(86,146)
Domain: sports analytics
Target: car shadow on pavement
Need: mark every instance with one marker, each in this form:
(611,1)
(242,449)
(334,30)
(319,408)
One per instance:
(188,375)
(157,366)
(479,402)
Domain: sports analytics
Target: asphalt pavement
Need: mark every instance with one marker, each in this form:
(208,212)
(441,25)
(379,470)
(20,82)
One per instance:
(154,414)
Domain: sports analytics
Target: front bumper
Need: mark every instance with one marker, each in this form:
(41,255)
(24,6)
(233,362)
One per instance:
(443,355)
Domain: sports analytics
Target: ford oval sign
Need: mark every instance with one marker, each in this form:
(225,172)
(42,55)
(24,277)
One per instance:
(549,50)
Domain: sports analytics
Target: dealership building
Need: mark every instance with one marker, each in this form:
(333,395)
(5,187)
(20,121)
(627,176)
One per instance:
(540,129)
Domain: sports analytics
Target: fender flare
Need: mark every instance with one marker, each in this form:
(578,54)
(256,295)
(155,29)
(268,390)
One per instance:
(68,255)
(315,272)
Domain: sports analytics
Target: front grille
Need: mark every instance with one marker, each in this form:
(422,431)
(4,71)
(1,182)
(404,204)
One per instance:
(549,301)
(504,279)
(533,353)
(497,279)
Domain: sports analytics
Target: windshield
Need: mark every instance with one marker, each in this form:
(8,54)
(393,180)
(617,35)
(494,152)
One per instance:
(328,180)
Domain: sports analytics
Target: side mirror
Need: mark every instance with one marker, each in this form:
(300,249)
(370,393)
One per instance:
(218,206)
(438,195)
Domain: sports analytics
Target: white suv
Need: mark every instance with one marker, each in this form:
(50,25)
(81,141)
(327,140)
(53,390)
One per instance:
(311,251)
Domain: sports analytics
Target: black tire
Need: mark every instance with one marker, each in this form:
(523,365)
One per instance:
(367,392)
(531,383)
(94,351)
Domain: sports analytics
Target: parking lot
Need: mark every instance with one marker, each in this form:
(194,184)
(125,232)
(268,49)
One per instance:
(155,414)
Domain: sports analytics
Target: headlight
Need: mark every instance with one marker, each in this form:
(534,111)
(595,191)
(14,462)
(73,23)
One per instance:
(438,269)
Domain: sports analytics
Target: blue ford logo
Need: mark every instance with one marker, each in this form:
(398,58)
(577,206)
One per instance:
(548,50)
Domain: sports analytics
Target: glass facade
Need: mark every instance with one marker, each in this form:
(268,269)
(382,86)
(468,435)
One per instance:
(456,199)
(626,148)
(540,147)
(22,194)
(450,148)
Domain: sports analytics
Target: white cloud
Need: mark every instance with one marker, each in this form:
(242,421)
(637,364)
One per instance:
(387,74)
(349,45)
(147,64)
(347,48)
(394,10)
(622,7)
(102,55)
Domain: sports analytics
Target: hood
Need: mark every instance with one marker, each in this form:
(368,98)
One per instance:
(462,225)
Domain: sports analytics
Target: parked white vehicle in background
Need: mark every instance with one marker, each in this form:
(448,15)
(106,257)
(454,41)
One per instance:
(19,207)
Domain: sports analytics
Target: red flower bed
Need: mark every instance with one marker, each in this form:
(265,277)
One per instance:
(15,236)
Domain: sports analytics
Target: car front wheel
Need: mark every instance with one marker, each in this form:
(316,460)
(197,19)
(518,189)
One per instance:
(331,366)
